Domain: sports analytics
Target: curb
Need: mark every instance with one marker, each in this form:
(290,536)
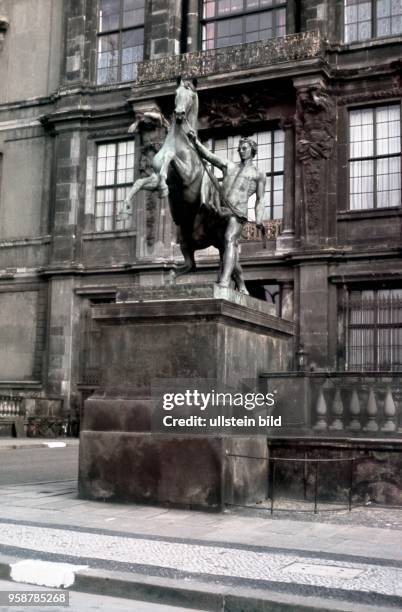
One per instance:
(24,446)
(211,597)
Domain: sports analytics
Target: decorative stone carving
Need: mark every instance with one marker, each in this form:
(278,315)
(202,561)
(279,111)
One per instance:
(235,111)
(148,120)
(152,203)
(315,133)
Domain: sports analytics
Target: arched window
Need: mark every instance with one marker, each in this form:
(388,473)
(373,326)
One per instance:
(233,22)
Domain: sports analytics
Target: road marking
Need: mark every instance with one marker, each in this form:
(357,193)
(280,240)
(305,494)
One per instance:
(55,444)
(45,573)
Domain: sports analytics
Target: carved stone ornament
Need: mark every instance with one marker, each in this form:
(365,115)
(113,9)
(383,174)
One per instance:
(151,119)
(315,129)
(152,203)
(235,110)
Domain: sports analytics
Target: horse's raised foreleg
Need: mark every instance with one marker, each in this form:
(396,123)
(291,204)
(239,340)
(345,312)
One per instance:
(161,166)
(149,183)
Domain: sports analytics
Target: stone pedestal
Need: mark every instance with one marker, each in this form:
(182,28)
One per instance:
(182,332)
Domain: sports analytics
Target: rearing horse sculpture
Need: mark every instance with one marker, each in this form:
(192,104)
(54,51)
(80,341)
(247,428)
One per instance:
(180,175)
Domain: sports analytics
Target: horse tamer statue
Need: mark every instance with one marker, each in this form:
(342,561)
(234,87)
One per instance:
(206,212)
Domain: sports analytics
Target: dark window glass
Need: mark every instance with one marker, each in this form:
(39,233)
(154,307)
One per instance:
(232,22)
(375,330)
(120,40)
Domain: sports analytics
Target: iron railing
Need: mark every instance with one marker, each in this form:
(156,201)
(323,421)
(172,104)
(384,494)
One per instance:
(291,48)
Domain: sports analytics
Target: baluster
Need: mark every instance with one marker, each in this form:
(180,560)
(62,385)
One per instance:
(321,411)
(337,411)
(372,413)
(389,413)
(355,410)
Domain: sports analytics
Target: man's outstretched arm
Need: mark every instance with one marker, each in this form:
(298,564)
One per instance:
(206,153)
(259,200)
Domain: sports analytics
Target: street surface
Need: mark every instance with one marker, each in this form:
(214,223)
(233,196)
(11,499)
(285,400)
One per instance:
(27,465)
(87,602)
(352,560)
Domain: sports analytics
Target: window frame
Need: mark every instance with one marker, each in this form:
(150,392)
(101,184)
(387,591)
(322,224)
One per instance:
(115,186)
(241,13)
(374,157)
(373,24)
(119,31)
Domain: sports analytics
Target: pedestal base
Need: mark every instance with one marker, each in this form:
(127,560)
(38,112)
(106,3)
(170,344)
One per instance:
(192,333)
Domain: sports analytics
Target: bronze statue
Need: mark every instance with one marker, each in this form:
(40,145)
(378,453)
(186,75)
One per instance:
(205,212)
(240,181)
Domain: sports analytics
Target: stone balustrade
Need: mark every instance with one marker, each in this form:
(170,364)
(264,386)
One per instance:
(357,404)
(11,406)
(290,48)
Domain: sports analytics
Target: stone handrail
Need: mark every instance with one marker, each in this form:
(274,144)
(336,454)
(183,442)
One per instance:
(290,48)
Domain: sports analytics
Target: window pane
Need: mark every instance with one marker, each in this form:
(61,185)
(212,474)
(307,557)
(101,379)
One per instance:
(375,330)
(108,59)
(132,53)
(269,22)
(115,169)
(361,185)
(388,130)
(109,15)
(361,133)
(133,13)
(375,177)
(357,20)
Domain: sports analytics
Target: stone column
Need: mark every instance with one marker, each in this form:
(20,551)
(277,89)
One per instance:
(69,198)
(315,137)
(63,340)
(285,242)
(314,314)
(193,21)
(166,24)
(78,16)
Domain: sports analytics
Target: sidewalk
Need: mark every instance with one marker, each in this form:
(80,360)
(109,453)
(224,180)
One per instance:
(239,560)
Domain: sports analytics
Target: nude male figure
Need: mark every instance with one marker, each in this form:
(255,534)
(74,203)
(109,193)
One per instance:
(240,181)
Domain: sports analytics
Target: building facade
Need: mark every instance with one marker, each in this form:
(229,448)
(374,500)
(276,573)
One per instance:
(318,84)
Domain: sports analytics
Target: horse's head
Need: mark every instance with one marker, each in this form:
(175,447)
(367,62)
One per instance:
(186,101)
